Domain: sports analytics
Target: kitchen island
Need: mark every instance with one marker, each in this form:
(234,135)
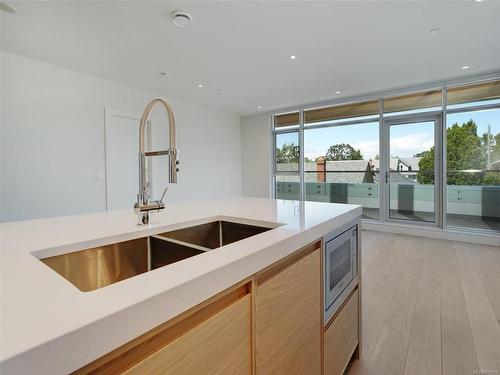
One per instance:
(50,326)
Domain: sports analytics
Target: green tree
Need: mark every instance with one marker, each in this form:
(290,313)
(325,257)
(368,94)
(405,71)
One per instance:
(494,146)
(343,151)
(288,153)
(464,151)
(425,174)
(420,154)
(495,154)
(491,178)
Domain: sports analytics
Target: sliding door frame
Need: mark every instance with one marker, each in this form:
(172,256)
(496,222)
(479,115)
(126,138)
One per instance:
(436,118)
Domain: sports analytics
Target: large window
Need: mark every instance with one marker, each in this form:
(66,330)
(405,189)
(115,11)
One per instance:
(342,165)
(287,156)
(473,169)
(473,156)
(428,157)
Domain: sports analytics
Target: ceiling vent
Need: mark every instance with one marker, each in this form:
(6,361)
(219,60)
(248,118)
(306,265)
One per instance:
(181,19)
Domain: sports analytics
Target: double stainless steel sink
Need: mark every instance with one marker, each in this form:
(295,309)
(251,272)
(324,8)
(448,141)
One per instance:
(98,267)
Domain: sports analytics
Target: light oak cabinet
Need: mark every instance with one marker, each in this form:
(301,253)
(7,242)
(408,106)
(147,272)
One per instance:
(270,323)
(212,338)
(288,316)
(220,345)
(341,337)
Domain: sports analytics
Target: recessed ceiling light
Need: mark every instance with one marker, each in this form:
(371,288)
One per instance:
(292,57)
(181,19)
(200,85)
(7,8)
(259,107)
(337,92)
(434,30)
(165,74)
(478,1)
(465,67)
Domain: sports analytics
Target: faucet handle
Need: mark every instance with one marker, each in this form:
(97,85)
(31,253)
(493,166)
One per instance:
(164,193)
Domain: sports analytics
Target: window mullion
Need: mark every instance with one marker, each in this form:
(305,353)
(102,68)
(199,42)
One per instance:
(301,156)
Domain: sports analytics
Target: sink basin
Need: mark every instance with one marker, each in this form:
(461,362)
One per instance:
(215,234)
(98,267)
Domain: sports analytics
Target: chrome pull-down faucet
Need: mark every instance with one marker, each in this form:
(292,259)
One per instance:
(144,204)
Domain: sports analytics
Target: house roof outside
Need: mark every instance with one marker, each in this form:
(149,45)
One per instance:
(397,163)
(346,171)
(350,171)
(413,162)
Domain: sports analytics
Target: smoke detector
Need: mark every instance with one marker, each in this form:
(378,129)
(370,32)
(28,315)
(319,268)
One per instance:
(181,19)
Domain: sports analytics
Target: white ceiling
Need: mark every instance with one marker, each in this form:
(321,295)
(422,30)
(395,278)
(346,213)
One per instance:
(240,50)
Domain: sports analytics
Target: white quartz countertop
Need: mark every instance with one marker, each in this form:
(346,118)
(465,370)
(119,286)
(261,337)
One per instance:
(48,326)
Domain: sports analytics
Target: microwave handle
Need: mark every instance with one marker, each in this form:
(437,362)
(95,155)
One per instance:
(354,254)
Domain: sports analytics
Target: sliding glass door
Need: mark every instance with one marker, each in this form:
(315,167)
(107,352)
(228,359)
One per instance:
(412,169)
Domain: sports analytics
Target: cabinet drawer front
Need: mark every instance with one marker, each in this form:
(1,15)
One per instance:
(219,345)
(341,337)
(288,320)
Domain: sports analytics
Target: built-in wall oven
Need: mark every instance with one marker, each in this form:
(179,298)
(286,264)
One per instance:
(340,266)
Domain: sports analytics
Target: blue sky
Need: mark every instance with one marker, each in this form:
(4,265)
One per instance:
(406,140)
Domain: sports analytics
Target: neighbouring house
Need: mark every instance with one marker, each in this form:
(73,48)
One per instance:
(351,171)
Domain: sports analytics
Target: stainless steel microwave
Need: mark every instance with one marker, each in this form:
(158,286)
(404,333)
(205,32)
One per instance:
(340,268)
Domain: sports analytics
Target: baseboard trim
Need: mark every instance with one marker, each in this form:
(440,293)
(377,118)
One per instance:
(443,234)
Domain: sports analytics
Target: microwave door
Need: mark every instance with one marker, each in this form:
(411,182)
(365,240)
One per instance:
(339,265)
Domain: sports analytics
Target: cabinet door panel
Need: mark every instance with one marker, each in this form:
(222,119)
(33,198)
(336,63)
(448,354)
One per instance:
(219,345)
(341,337)
(288,320)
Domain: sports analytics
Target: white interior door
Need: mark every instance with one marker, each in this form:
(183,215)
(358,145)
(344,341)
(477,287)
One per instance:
(122,163)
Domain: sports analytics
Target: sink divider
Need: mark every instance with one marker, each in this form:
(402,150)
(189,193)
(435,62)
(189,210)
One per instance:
(197,247)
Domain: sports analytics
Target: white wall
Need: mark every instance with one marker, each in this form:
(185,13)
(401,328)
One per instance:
(256,143)
(52,142)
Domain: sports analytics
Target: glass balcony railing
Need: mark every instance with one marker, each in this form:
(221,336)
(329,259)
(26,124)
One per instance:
(473,199)
(473,196)
(337,187)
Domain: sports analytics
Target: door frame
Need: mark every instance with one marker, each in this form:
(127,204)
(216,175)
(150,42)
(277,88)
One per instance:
(108,114)
(437,118)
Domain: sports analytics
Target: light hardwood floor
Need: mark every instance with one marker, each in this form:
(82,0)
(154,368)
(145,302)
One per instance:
(429,307)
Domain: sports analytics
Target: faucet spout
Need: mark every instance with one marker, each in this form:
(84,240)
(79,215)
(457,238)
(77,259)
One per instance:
(143,205)
(145,117)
